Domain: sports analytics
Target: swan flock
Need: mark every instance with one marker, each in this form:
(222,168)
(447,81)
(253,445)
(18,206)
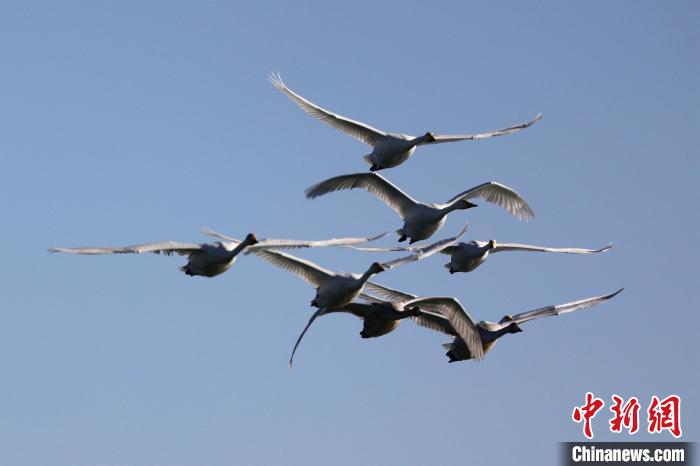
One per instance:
(381,308)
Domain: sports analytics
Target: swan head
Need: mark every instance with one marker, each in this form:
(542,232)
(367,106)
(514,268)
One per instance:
(514,328)
(492,244)
(376,268)
(465,204)
(251,239)
(429,137)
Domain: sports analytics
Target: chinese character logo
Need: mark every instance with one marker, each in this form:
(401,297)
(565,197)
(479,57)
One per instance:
(626,416)
(661,414)
(587,412)
(665,415)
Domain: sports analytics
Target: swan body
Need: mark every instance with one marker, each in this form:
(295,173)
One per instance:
(388,149)
(213,259)
(422,220)
(378,317)
(466,257)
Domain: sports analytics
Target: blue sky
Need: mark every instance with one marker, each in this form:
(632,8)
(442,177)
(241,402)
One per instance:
(128,122)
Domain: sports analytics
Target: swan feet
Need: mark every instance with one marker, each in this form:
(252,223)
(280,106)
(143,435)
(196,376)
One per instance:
(402,238)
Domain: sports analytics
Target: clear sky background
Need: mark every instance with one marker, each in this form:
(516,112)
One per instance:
(130,122)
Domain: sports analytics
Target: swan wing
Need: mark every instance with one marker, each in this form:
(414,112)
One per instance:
(373,183)
(427,251)
(165,247)
(292,243)
(440,138)
(356,129)
(527,247)
(434,321)
(501,195)
(558,309)
(389,293)
(304,269)
(458,318)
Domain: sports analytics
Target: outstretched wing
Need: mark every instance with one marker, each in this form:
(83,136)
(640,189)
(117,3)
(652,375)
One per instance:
(426,251)
(501,195)
(293,243)
(434,321)
(530,248)
(559,308)
(166,247)
(389,293)
(216,234)
(439,138)
(458,317)
(296,243)
(304,269)
(356,129)
(370,182)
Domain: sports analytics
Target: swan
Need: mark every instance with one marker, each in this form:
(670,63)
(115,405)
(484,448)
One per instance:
(334,290)
(381,317)
(466,257)
(212,259)
(447,315)
(378,317)
(422,220)
(388,149)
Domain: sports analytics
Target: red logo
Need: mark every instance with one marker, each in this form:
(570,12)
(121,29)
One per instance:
(665,415)
(587,412)
(661,414)
(626,416)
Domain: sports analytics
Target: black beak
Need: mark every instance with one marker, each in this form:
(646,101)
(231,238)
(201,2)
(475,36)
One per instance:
(469,205)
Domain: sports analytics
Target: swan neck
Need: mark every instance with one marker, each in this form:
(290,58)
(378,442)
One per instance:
(451,208)
(366,276)
(240,247)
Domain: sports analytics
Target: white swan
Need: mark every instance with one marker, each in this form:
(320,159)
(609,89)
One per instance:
(212,259)
(447,315)
(422,220)
(335,290)
(389,149)
(466,257)
(381,317)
